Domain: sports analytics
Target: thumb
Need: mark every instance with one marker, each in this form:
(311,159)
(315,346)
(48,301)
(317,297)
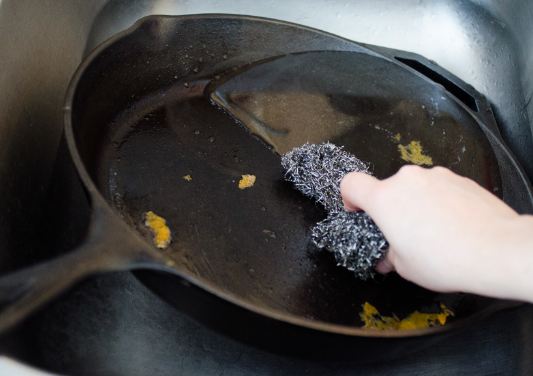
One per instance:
(356,189)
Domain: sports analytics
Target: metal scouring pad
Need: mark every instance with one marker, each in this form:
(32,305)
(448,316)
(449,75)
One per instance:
(316,170)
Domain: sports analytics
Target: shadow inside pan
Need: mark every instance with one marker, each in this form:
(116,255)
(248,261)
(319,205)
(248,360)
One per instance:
(255,243)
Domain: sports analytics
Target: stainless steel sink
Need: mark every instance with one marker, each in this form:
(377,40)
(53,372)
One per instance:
(486,43)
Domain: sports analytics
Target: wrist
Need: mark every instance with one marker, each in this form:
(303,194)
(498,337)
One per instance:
(510,274)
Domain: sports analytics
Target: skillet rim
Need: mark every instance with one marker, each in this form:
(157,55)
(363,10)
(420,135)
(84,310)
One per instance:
(98,201)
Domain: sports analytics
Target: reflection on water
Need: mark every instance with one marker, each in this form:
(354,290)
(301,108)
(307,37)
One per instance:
(369,105)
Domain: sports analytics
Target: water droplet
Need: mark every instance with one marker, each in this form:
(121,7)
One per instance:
(211,139)
(224,56)
(197,132)
(269,233)
(186,84)
(175,77)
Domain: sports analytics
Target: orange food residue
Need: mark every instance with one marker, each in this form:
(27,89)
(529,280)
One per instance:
(247,181)
(414,153)
(160,231)
(372,319)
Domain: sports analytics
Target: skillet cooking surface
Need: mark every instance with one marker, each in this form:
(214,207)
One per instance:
(255,243)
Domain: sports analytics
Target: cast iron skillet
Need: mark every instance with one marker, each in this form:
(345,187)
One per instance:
(138,119)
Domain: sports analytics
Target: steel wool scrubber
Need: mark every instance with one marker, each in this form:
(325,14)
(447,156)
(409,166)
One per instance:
(316,170)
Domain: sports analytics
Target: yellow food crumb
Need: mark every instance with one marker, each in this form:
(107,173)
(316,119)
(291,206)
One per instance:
(247,181)
(372,319)
(170,263)
(413,153)
(159,229)
(187,177)
(397,137)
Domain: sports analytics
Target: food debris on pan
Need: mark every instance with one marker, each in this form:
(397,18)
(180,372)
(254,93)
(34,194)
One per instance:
(187,178)
(372,319)
(158,227)
(247,181)
(414,153)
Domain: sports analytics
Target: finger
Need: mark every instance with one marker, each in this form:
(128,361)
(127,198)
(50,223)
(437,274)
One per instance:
(385,265)
(350,207)
(356,188)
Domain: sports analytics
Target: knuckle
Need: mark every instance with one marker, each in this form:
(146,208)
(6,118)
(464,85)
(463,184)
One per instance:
(440,170)
(409,170)
(410,177)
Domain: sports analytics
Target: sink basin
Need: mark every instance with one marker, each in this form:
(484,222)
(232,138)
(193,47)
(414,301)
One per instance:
(486,43)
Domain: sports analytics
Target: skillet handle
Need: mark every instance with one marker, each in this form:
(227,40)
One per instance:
(109,246)
(22,292)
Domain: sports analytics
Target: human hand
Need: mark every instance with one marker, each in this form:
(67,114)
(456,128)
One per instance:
(447,233)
